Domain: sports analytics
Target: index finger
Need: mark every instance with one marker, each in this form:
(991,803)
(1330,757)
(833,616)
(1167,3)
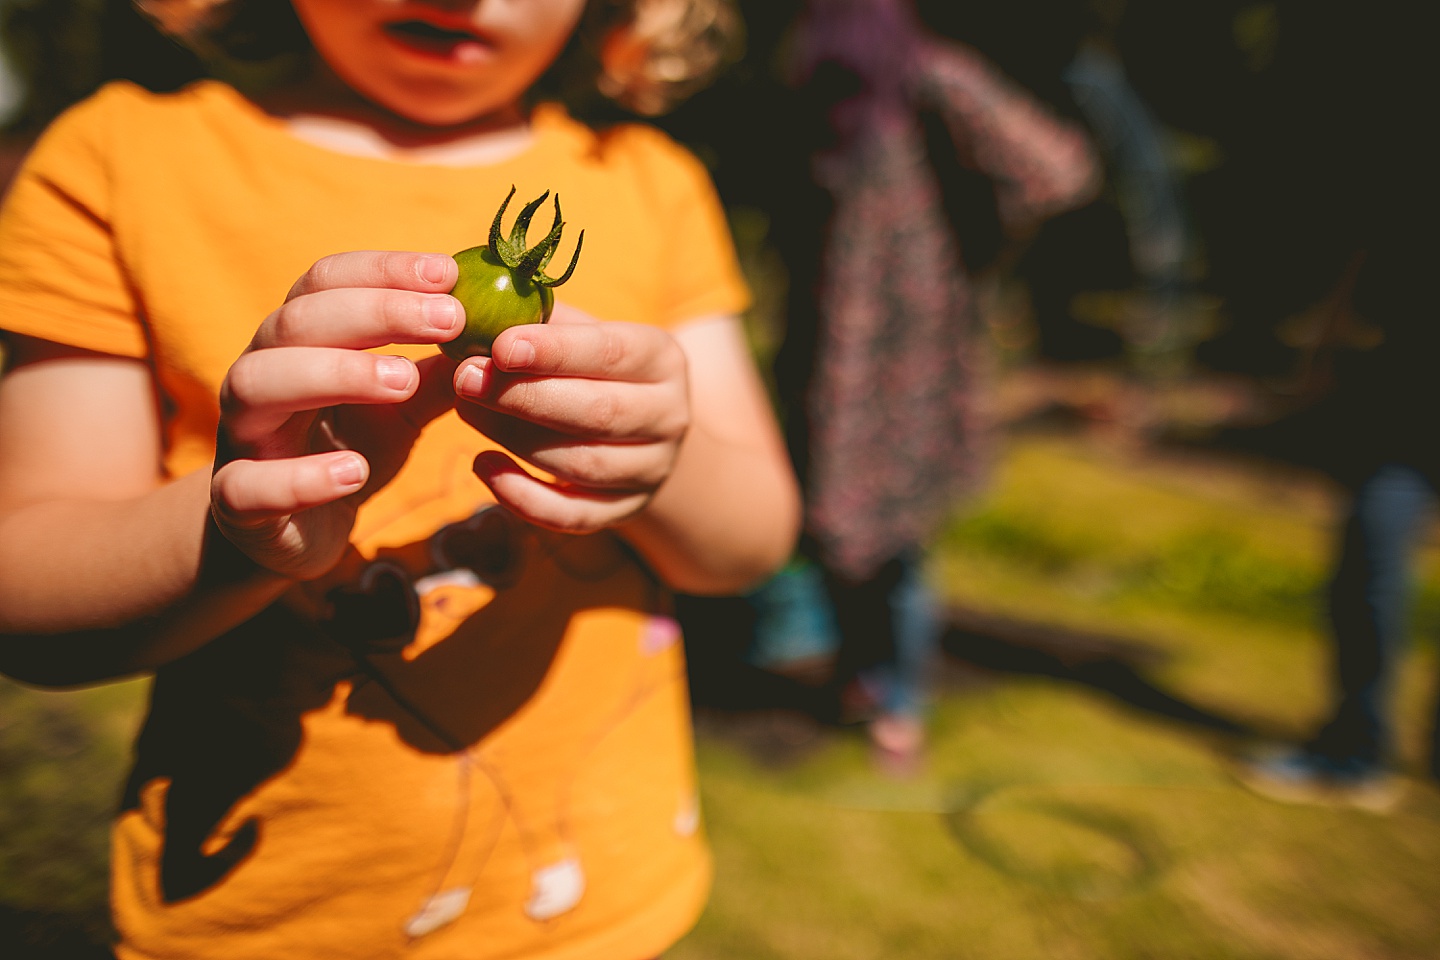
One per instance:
(402,270)
(601,351)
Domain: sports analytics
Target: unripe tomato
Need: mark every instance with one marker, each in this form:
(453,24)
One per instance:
(503,284)
(494,299)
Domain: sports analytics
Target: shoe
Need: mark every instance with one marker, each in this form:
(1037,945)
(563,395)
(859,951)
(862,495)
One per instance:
(1297,775)
(897,744)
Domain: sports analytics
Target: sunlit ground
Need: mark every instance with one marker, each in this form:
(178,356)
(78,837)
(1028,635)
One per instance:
(1088,811)
(1076,801)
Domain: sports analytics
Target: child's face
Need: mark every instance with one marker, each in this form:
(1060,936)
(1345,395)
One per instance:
(440,62)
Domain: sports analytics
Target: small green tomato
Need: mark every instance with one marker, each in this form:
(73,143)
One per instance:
(502,284)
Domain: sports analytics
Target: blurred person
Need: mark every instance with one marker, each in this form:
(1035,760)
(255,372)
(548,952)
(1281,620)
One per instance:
(1133,238)
(1131,142)
(1392,470)
(882,373)
(1384,206)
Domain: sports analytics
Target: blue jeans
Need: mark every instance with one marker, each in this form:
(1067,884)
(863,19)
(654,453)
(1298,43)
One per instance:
(889,633)
(883,631)
(1369,596)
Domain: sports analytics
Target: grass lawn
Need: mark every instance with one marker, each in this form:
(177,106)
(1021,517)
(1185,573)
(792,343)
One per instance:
(1083,811)
(1072,816)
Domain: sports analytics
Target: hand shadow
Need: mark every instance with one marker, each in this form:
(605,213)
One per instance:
(230,717)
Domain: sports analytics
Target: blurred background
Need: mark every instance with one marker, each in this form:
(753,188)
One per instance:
(1185,377)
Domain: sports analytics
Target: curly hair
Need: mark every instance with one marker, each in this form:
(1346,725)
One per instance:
(646,55)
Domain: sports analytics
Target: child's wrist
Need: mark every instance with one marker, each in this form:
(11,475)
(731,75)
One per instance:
(222,563)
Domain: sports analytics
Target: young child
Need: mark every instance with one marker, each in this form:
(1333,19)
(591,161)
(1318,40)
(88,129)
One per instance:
(415,690)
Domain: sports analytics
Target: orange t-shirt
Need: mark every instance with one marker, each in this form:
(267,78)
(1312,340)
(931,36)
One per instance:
(472,740)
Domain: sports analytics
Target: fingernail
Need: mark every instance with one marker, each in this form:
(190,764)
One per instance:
(520,355)
(348,472)
(488,465)
(443,313)
(395,372)
(434,269)
(470,379)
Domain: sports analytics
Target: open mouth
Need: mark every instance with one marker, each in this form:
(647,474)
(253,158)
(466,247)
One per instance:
(447,43)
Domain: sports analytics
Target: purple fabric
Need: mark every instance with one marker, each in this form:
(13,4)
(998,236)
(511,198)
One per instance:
(897,428)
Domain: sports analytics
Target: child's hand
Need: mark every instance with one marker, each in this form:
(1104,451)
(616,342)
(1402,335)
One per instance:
(310,423)
(600,406)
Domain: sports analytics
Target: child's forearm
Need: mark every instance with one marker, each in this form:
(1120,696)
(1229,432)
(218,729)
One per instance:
(92,590)
(729,513)
(727,517)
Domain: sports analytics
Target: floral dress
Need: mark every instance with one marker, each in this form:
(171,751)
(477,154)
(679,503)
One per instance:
(895,422)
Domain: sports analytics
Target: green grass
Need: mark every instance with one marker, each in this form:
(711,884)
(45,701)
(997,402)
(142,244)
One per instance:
(1183,534)
(1052,819)
(63,758)
(1051,823)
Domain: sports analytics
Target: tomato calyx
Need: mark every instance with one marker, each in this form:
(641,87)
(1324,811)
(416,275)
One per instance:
(504,284)
(530,263)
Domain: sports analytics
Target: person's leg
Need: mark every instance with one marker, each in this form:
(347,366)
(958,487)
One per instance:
(1346,761)
(890,636)
(899,730)
(867,638)
(916,630)
(1368,605)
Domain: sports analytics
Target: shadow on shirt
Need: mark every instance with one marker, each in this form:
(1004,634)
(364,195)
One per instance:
(230,717)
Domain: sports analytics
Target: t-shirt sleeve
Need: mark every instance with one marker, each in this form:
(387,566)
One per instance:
(703,273)
(61,277)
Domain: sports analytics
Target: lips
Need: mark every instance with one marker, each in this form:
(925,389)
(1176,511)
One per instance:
(439,41)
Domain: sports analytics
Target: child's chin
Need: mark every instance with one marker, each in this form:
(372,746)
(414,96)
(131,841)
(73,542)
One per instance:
(437,111)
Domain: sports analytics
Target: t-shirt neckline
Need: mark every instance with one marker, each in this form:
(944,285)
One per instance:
(545,121)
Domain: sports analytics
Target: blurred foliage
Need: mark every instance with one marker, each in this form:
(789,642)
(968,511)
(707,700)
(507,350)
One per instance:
(62,50)
(54,47)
